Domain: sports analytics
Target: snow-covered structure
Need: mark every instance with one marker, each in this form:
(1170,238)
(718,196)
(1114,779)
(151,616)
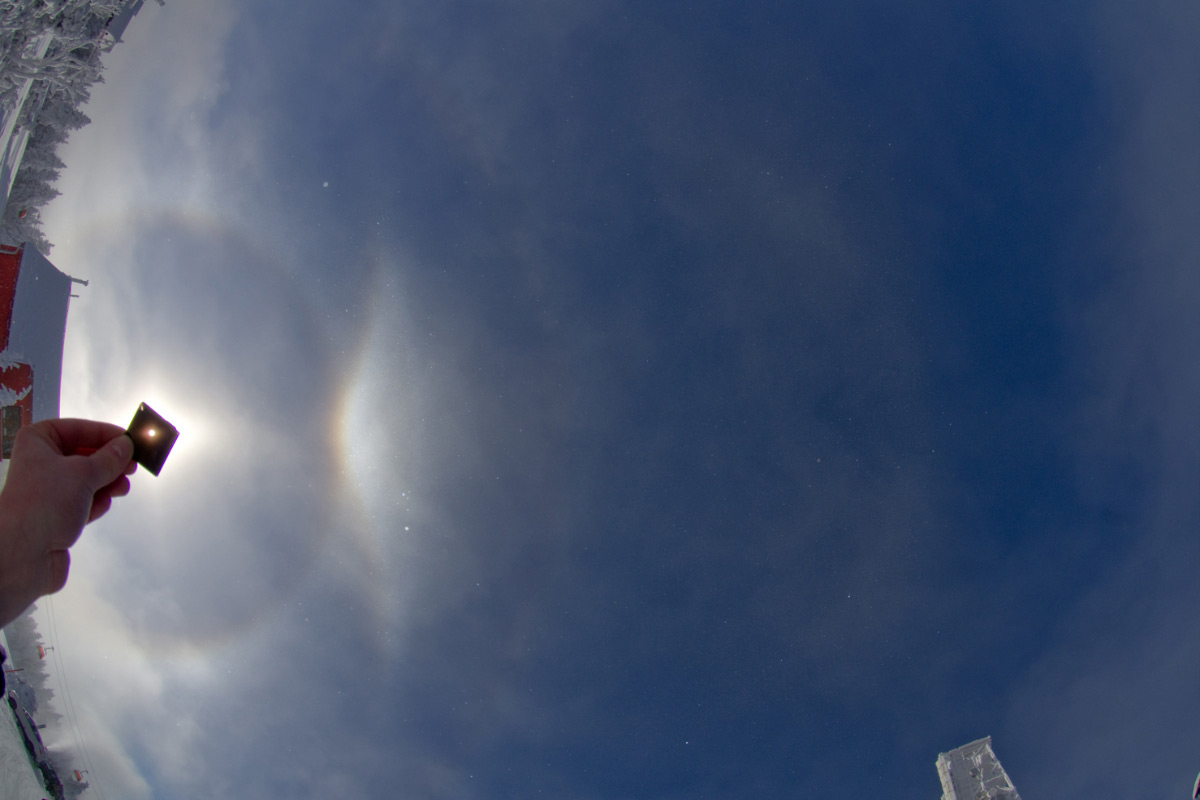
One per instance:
(34,297)
(972,772)
(116,27)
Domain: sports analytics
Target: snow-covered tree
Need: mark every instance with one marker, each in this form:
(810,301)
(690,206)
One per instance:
(17,231)
(21,223)
(49,60)
(64,115)
(41,158)
(49,135)
(29,191)
(41,175)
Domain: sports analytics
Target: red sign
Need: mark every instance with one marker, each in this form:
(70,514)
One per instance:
(10,267)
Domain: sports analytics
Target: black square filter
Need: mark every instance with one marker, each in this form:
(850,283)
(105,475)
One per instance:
(152,437)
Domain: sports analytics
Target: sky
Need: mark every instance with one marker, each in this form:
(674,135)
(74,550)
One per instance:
(606,400)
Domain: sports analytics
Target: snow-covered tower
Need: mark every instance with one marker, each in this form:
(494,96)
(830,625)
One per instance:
(972,772)
(117,25)
(34,297)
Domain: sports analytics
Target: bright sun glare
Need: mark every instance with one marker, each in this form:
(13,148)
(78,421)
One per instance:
(192,415)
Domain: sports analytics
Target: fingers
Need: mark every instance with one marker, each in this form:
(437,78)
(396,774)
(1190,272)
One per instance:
(130,468)
(110,461)
(102,500)
(118,488)
(71,435)
(100,506)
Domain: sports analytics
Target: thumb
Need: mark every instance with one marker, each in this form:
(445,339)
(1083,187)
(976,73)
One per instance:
(109,462)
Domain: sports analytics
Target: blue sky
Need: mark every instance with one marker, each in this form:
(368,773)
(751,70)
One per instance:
(605,400)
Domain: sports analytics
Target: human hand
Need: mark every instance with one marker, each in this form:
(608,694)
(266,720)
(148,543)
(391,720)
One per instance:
(63,474)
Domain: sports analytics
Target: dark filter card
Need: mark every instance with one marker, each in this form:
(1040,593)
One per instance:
(152,437)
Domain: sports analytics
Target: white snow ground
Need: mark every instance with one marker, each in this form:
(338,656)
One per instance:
(19,780)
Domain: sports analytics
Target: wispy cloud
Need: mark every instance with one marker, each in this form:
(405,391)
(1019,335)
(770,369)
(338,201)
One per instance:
(1110,709)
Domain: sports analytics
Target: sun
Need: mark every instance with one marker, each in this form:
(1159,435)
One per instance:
(191,410)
